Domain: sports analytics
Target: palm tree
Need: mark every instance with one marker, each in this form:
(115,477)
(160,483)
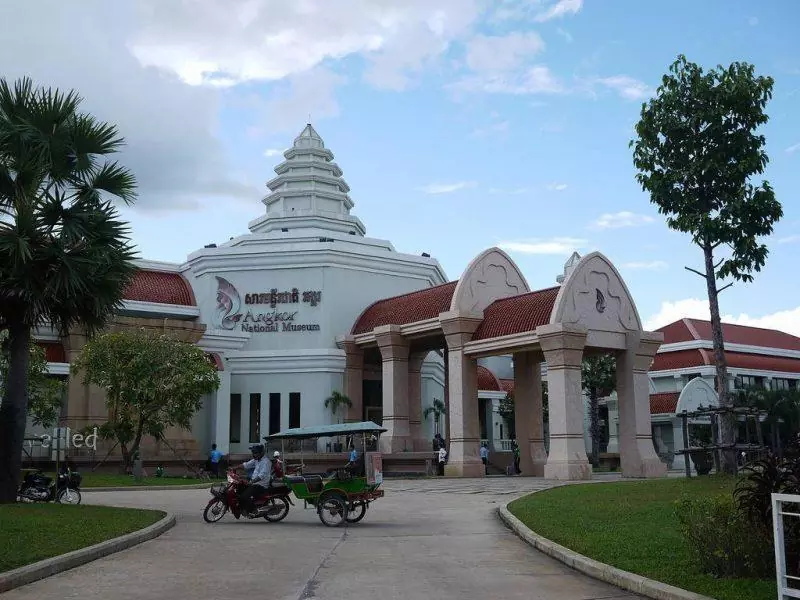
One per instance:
(599,379)
(65,257)
(437,409)
(335,400)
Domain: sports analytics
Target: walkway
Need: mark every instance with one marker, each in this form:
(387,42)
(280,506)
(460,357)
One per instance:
(417,542)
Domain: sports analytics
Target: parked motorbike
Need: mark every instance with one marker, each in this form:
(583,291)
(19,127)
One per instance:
(272,504)
(38,487)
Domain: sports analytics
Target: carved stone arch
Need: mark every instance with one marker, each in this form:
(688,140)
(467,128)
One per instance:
(595,296)
(698,392)
(490,276)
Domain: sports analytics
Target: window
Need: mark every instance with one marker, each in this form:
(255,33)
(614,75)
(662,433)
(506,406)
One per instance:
(274,413)
(294,410)
(692,376)
(255,417)
(236,419)
(748,381)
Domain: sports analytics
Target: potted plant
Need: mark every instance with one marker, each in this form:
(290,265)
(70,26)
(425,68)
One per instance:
(700,438)
(334,401)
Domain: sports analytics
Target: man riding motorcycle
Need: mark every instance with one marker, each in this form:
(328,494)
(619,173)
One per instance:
(259,480)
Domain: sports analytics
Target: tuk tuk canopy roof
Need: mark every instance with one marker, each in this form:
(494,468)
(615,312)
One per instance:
(327,431)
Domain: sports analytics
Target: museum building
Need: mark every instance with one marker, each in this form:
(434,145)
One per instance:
(306,304)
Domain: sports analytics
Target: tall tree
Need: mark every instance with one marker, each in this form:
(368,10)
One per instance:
(598,374)
(438,410)
(65,257)
(696,151)
(45,393)
(151,381)
(336,400)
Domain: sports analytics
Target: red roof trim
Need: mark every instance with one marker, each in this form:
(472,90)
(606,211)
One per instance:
(487,381)
(507,385)
(53,351)
(419,305)
(517,314)
(687,330)
(160,287)
(664,403)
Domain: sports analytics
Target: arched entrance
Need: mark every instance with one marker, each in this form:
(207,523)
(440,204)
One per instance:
(490,311)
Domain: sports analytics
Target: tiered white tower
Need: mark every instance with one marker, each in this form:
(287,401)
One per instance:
(308,192)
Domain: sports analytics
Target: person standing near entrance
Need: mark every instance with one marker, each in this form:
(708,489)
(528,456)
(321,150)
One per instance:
(442,460)
(515,448)
(485,458)
(214,457)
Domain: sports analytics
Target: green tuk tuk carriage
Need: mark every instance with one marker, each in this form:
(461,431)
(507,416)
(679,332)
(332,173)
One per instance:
(341,495)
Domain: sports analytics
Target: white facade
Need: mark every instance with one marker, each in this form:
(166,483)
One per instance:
(275,300)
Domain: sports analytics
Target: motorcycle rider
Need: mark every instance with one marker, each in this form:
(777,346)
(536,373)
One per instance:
(259,480)
(277,466)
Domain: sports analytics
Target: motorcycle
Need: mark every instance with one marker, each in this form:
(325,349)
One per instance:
(38,487)
(272,504)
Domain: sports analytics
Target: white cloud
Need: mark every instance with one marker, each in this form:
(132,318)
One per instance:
(560,9)
(537,79)
(790,239)
(298,96)
(694,308)
(270,152)
(793,148)
(493,54)
(447,188)
(558,245)
(565,34)
(627,87)
(655,265)
(557,187)
(621,219)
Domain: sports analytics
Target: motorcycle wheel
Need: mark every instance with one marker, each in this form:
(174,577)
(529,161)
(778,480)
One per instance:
(278,507)
(69,496)
(215,510)
(332,510)
(357,511)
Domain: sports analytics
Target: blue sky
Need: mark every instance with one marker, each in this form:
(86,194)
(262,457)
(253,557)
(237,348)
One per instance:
(459,124)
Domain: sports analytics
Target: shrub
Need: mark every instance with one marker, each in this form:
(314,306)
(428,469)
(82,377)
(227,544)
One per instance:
(723,540)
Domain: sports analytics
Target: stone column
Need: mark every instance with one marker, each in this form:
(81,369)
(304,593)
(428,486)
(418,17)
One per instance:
(354,380)
(445,430)
(613,424)
(563,351)
(394,355)
(638,457)
(528,416)
(222,415)
(415,401)
(464,428)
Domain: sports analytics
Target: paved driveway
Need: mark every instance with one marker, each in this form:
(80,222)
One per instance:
(436,539)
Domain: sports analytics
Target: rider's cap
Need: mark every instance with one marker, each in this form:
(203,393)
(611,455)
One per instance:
(276,454)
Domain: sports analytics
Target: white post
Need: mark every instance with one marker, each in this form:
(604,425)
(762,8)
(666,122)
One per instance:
(222,420)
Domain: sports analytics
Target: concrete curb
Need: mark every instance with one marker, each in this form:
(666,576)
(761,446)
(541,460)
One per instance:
(148,488)
(57,564)
(622,579)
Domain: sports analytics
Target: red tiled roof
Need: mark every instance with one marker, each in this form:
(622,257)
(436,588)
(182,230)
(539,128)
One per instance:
(687,330)
(663,403)
(507,385)
(684,359)
(160,287)
(408,308)
(517,314)
(54,351)
(487,381)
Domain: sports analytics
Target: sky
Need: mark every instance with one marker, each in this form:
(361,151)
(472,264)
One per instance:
(459,124)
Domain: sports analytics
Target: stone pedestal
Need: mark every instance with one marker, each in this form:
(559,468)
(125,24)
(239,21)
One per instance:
(638,457)
(464,428)
(528,418)
(394,355)
(563,351)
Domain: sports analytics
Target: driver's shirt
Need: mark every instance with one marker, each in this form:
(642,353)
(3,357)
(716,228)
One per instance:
(261,469)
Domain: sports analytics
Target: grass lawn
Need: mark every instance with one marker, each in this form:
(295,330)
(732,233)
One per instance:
(631,525)
(33,532)
(91,480)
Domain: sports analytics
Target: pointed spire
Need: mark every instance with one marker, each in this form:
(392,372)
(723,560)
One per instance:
(309,138)
(569,267)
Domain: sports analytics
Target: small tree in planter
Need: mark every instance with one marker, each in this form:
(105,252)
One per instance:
(437,409)
(334,401)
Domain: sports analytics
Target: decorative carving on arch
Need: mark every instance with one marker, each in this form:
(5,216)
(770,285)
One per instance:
(698,392)
(596,297)
(490,276)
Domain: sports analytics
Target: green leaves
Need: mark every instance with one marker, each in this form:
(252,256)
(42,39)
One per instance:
(696,152)
(337,399)
(151,381)
(599,373)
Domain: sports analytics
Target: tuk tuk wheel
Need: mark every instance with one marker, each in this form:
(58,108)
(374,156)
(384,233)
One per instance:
(357,511)
(332,510)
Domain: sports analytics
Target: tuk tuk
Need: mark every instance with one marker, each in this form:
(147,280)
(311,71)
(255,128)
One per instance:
(340,495)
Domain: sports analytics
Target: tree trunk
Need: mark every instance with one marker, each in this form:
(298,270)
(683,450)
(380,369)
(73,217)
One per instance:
(594,426)
(14,412)
(727,430)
